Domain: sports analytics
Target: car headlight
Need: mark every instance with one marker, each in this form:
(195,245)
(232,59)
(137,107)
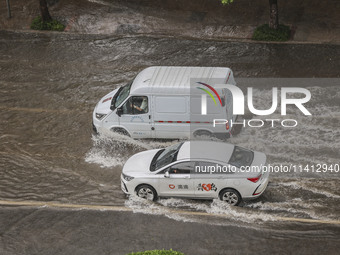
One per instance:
(99,116)
(127,178)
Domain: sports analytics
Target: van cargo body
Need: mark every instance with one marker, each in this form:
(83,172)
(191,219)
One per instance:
(165,102)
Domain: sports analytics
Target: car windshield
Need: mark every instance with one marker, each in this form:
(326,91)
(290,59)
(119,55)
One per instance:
(121,95)
(165,156)
(241,157)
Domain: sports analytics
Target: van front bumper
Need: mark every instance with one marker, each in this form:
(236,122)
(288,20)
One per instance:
(94,128)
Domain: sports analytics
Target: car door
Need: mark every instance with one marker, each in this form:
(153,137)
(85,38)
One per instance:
(135,117)
(209,179)
(178,182)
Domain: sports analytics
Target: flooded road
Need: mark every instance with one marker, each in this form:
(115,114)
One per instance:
(50,83)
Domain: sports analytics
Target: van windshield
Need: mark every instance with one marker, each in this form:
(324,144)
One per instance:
(164,157)
(121,95)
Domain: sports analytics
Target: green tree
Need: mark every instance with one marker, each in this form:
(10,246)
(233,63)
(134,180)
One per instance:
(274,12)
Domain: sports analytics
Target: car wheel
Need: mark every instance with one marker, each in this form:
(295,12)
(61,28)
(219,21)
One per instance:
(147,192)
(230,196)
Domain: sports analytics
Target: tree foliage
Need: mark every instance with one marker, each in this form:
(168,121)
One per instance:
(265,33)
(227,1)
(39,24)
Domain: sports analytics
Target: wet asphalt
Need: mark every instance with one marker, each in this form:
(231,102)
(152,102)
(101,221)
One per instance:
(49,84)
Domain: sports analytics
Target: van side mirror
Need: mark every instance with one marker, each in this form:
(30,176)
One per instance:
(119,111)
(166,174)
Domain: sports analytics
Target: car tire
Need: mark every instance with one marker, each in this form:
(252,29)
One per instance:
(147,192)
(231,196)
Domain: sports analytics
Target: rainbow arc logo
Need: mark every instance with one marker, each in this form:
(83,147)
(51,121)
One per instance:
(204,97)
(209,93)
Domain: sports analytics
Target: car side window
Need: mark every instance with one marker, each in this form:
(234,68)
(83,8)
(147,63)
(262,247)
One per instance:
(136,105)
(182,168)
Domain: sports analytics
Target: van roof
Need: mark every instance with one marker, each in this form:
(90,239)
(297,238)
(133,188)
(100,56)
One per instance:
(176,79)
(206,150)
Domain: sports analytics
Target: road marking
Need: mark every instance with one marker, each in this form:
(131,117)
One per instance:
(64,205)
(126,209)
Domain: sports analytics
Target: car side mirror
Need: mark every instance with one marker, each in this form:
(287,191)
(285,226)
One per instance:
(119,111)
(166,174)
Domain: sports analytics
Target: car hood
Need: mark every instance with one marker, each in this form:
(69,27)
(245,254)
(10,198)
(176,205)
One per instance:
(140,162)
(104,104)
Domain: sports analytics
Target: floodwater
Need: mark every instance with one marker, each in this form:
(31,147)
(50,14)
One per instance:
(50,83)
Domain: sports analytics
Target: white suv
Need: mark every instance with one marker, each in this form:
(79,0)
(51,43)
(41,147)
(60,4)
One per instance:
(196,169)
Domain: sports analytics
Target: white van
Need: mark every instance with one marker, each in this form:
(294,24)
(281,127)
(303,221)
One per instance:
(166,102)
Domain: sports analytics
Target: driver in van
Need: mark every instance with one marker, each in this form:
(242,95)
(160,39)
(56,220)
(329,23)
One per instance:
(143,106)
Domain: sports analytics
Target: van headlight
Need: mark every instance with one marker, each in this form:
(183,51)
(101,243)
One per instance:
(127,178)
(99,116)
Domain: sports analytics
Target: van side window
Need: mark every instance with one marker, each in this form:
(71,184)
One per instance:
(182,168)
(136,105)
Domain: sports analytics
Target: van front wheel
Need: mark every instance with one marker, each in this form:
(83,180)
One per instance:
(120,131)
